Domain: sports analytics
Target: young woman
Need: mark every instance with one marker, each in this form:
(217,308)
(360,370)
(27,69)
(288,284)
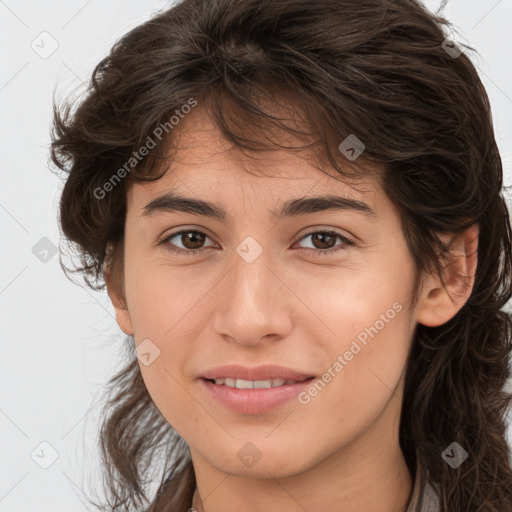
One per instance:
(296,208)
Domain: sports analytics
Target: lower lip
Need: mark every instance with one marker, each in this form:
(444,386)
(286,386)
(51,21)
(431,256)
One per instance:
(254,401)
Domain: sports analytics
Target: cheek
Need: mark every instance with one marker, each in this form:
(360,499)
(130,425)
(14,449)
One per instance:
(167,390)
(370,336)
(361,304)
(165,320)
(360,379)
(158,298)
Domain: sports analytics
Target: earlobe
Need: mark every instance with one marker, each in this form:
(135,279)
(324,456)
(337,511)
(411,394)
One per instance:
(123,318)
(437,303)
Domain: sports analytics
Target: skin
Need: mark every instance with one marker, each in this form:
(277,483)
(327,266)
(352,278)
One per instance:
(288,307)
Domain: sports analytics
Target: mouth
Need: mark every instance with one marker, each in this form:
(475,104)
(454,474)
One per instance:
(250,397)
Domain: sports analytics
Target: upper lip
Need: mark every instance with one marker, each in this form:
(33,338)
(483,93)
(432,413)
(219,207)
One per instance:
(265,372)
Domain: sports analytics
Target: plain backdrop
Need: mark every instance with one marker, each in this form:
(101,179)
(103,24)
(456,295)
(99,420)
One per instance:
(60,342)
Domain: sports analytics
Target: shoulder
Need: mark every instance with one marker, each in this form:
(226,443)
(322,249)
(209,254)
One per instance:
(430,499)
(425,494)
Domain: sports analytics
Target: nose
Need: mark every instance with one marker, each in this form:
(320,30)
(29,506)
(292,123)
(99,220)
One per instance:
(254,303)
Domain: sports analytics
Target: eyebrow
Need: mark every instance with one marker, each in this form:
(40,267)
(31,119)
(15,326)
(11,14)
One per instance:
(172,201)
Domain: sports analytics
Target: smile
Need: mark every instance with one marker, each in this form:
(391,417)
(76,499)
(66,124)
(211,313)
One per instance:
(253,384)
(253,396)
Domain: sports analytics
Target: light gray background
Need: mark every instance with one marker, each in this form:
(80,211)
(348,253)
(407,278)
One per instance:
(60,342)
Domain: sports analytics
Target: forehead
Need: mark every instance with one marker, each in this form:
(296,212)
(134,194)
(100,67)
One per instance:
(203,163)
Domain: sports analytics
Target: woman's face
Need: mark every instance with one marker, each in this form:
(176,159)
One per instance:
(256,288)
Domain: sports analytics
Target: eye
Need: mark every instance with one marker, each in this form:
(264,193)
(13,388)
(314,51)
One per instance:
(191,239)
(327,238)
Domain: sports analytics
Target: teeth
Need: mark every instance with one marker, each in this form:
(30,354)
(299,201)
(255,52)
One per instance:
(252,384)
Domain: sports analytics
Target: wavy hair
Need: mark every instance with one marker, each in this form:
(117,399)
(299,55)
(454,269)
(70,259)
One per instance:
(375,68)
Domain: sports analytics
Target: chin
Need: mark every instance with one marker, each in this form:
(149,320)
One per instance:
(251,462)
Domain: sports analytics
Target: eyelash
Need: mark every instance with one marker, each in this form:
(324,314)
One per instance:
(319,252)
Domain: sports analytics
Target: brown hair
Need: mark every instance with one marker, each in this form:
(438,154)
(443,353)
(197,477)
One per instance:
(377,69)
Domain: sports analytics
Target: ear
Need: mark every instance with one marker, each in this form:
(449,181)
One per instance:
(119,302)
(437,304)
